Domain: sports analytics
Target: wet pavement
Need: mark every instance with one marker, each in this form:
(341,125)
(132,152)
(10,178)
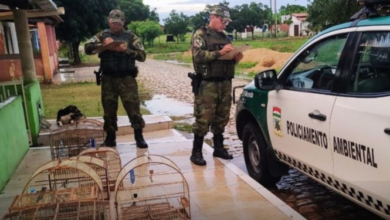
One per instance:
(309,198)
(312,200)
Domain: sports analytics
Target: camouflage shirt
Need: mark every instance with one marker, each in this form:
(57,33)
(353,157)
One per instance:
(200,52)
(135,50)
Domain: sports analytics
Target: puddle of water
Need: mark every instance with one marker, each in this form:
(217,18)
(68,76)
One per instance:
(160,104)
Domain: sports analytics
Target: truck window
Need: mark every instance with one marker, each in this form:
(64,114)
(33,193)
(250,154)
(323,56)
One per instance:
(315,68)
(371,66)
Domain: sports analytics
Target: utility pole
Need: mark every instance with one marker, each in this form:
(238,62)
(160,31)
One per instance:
(270,21)
(276,21)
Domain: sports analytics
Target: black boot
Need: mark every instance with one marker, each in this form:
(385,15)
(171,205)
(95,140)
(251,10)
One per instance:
(197,156)
(110,139)
(139,139)
(219,150)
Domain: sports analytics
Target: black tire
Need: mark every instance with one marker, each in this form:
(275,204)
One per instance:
(255,154)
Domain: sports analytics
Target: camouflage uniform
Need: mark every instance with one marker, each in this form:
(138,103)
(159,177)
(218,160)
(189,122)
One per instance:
(213,101)
(117,81)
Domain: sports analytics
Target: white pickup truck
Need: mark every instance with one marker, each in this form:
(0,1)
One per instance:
(327,114)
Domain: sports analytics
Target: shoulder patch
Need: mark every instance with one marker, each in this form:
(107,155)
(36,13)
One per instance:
(198,42)
(92,40)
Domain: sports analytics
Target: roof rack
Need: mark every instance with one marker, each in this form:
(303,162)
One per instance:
(372,9)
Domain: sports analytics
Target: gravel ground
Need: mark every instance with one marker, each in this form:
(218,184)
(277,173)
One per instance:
(172,80)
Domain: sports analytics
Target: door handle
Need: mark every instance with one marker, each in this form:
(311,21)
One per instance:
(387,131)
(319,117)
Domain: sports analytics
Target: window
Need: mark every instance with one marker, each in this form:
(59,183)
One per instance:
(315,68)
(371,66)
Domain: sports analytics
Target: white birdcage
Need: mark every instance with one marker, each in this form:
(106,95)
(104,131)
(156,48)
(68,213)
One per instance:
(59,181)
(100,166)
(111,156)
(152,187)
(69,140)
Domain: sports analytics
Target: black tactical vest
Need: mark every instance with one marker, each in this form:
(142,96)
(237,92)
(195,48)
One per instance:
(216,69)
(116,63)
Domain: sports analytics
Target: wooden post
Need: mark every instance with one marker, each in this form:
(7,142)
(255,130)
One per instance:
(45,51)
(25,48)
(276,21)
(270,22)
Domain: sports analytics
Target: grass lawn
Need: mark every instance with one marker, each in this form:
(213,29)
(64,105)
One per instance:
(287,44)
(86,96)
(174,51)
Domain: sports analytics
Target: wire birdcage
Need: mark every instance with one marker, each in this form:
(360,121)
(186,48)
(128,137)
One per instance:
(100,166)
(80,210)
(152,187)
(69,140)
(59,181)
(111,156)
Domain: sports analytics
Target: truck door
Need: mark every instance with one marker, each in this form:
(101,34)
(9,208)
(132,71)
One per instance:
(360,126)
(299,113)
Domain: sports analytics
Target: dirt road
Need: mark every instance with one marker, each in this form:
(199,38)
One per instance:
(171,80)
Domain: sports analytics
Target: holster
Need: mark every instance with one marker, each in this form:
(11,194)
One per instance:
(98,75)
(196,80)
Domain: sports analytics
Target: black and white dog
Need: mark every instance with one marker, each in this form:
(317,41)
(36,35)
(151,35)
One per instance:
(68,115)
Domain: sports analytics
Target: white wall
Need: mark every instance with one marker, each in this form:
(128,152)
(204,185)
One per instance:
(302,26)
(13,36)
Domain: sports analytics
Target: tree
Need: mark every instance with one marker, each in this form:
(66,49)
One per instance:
(199,20)
(82,21)
(148,30)
(176,24)
(254,15)
(290,9)
(153,15)
(202,18)
(325,13)
(134,10)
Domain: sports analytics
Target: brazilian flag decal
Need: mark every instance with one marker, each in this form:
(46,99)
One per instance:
(277,121)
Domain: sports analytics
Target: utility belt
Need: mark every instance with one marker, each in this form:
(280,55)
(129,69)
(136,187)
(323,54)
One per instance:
(217,79)
(132,72)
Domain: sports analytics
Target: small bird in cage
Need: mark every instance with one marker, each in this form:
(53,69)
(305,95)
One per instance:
(135,195)
(41,193)
(150,175)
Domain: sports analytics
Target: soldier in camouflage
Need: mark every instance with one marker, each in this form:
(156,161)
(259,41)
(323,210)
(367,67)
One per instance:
(118,76)
(214,99)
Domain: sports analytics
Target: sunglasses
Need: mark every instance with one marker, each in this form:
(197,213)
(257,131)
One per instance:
(224,21)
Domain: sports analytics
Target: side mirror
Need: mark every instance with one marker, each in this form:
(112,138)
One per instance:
(266,80)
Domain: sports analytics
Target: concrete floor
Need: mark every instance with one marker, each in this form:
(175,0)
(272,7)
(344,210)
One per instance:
(220,190)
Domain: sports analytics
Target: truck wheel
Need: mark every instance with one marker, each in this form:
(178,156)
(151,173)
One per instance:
(255,153)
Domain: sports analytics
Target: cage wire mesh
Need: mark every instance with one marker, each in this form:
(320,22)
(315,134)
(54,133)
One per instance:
(69,140)
(152,187)
(111,156)
(59,181)
(100,166)
(80,210)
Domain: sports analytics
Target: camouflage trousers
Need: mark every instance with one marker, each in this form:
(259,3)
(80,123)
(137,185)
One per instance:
(212,107)
(127,89)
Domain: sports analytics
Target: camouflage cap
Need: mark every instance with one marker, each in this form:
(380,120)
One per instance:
(221,11)
(116,16)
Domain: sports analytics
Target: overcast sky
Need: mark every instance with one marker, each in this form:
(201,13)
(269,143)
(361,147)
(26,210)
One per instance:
(191,7)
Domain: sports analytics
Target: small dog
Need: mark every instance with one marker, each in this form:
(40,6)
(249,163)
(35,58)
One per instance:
(68,115)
